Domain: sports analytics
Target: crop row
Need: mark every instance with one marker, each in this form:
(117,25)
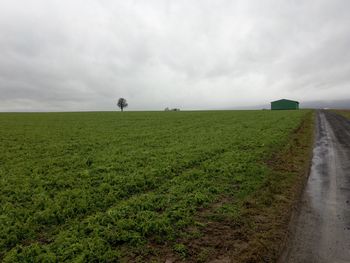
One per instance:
(97,186)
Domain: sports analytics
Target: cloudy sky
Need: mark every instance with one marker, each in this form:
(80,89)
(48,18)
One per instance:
(205,54)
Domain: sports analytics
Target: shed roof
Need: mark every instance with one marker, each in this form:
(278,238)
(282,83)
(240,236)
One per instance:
(286,100)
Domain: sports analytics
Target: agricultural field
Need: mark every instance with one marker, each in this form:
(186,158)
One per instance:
(345,113)
(147,186)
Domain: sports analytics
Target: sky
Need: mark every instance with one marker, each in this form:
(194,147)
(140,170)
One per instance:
(72,55)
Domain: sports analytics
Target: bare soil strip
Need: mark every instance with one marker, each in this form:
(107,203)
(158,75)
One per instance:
(322,226)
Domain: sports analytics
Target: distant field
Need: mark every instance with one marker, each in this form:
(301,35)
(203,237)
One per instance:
(345,113)
(109,186)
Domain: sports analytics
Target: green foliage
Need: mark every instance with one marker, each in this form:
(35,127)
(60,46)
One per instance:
(180,249)
(345,113)
(87,187)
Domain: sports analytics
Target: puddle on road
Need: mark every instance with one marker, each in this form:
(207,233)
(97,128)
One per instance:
(321,231)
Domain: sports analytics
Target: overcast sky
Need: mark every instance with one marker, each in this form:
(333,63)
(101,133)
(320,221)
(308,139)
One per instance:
(204,54)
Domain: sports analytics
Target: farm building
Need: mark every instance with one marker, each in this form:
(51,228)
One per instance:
(284,105)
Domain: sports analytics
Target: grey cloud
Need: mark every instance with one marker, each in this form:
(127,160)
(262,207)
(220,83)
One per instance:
(83,55)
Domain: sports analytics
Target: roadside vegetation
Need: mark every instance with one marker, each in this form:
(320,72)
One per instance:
(345,113)
(149,186)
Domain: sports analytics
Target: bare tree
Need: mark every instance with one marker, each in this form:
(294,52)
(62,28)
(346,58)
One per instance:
(122,103)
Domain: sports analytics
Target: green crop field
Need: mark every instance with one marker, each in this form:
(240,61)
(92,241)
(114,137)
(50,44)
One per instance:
(345,113)
(110,186)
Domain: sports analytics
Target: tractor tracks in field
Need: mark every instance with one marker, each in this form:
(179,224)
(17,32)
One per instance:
(321,227)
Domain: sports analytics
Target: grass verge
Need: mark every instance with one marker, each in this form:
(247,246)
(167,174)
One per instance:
(345,113)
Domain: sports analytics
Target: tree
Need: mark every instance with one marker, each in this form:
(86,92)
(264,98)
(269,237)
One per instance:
(122,103)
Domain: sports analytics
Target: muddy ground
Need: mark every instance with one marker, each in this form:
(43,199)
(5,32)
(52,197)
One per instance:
(321,231)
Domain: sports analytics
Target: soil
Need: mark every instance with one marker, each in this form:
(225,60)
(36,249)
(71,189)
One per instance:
(321,231)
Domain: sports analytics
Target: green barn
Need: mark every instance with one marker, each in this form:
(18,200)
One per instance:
(284,105)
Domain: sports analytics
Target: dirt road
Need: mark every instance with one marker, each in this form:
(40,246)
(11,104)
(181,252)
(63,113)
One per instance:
(322,225)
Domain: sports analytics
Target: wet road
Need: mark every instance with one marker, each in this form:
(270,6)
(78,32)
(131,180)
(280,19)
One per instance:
(322,226)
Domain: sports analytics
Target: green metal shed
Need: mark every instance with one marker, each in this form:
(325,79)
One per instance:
(284,105)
